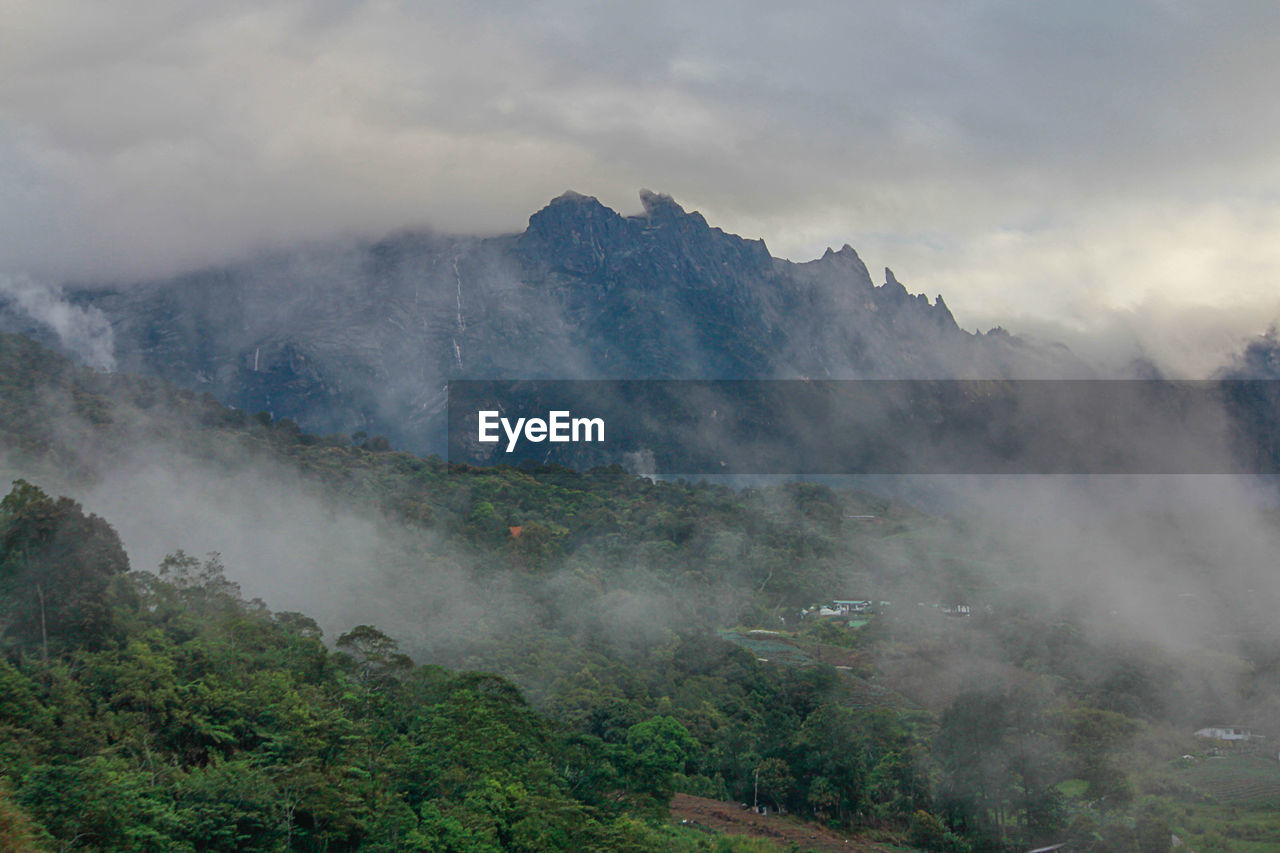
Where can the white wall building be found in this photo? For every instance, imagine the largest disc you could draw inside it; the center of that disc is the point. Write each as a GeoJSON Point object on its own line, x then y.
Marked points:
{"type": "Point", "coordinates": [1224, 733]}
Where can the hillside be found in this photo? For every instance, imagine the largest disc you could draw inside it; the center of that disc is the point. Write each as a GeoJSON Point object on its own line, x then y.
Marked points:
{"type": "Point", "coordinates": [602, 597]}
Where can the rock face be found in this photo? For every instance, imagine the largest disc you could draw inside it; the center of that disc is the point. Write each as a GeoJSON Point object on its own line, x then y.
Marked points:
{"type": "Point", "coordinates": [364, 336]}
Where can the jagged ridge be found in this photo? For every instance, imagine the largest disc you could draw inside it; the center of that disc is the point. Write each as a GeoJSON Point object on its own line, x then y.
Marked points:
{"type": "Point", "coordinates": [364, 337]}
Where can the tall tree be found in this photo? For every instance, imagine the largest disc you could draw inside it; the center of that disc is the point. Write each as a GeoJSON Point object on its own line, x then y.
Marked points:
{"type": "Point", "coordinates": [56, 568]}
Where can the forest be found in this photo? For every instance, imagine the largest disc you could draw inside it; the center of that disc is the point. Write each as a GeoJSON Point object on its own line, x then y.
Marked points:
{"type": "Point", "coordinates": [557, 653]}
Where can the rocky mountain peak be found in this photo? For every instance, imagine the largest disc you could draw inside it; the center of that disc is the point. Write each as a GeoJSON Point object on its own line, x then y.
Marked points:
{"type": "Point", "coordinates": [942, 312]}
{"type": "Point", "coordinates": [659, 204]}
{"type": "Point", "coordinates": [572, 231]}
{"type": "Point", "coordinates": [570, 208]}
{"type": "Point", "coordinates": [661, 210]}
{"type": "Point", "coordinates": [847, 262]}
{"type": "Point", "coordinates": [583, 292]}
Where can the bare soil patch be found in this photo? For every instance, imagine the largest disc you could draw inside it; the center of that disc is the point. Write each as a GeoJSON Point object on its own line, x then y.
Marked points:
{"type": "Point", "coordinates": [783, 830]}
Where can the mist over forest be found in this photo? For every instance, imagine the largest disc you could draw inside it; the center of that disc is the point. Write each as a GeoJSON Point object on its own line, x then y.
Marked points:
{"type": "Point", "coordinates": [935, 509]}
{"type": "Point", "coordinates": [1017, 661]}
{"type": "Point", "coordinates": [977, 556]}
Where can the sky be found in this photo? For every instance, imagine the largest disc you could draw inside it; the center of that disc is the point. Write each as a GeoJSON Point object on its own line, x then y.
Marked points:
{"type": "Point", "coordinates": [1103, 173]}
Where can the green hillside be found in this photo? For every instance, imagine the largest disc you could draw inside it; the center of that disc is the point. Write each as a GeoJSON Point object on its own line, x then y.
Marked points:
{"type": "Point", "coordinates": [156, 708]}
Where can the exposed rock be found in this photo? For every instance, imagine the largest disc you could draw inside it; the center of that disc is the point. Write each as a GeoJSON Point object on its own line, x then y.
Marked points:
{"type": "Point", "coordinates": [365, 336]}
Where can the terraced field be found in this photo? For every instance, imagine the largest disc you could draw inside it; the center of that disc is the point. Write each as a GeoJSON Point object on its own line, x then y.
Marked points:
{"type": "Point", "coordinates": [773, 648]}
{"type": "Point", "coordinates": [1246, 780]}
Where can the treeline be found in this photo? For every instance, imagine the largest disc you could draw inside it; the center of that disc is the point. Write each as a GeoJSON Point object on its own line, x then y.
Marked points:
{"type": "Point", "coordinates": [162, 712]}
{"type": "Point", "coordinates": [161, 687]}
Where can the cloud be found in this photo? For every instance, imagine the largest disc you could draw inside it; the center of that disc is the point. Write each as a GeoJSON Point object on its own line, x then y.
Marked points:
{"type": "Point", "coordinates": [1178, 283]}
{"type": "Point", "coordinates": [84, 331]}
{"type": "Point", "coordinates": [969, 146]}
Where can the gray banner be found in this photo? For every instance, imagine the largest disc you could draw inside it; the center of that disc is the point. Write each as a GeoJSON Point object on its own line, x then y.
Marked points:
{"type": "Point", "coordinates": [870, 427]}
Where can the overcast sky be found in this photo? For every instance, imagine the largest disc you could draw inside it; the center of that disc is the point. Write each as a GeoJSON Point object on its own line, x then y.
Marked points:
{"type": "Point", "coordinates": [1069, 167]}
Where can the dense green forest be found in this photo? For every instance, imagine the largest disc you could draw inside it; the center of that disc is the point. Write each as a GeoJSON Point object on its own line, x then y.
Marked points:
{"type": "Point", "coordinates": [602, 642]}
{"type": "Point", "coordinates": [164, 712]}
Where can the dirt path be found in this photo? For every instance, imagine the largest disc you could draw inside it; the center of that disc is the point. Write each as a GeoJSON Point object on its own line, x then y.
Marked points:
{"type": "Point", "coordinates": [784, 831]}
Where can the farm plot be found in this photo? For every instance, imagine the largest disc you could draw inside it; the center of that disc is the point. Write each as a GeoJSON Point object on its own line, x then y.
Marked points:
{"type": "Point", "coordinates": [773, 648]}
{"type": "Point", "coordinates": [1246, 780]}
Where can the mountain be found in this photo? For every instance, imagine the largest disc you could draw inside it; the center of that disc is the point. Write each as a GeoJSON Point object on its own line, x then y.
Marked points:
{"type": "Point", "coordinates": [364, 336]}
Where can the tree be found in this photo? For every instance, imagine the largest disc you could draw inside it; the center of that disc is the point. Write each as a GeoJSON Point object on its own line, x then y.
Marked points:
{"type": "Point", "coordinates": [1000, 767]}
{"type": "Point", "coordinates": [1092, 738]}
{"type": "Point", "coordinates": [775, 780]}
{"type": "Point", "coordinates": [929, 833]}
{"type": "Point", "coordinates": [658, 748]}
{"type": "Point", "coordinates": [18, 833]}
{"type": "Point", "coordinates": [374, 657]}
{"type": "Point", "coordinates": [56, 568]}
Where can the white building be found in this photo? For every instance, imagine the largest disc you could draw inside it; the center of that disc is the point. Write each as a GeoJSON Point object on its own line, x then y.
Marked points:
{"type": "Point", "coordinates": [845, 608]}
{"type": "Point", "coordinates": [1232, 733]}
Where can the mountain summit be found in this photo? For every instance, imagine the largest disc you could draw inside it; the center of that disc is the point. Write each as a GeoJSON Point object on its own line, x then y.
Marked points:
{"type": "Point", "coordinates": [364, 337]}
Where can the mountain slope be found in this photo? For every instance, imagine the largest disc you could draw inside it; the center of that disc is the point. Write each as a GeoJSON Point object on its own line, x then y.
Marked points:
{"type": "Point", "coordinates": [364, 336]}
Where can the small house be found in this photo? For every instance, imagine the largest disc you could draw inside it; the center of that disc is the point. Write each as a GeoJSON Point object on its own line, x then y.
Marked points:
{"type": "Point", "coordinates": [844, 608]}
{"type": "Point", "coordinates": [1228, 733]}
